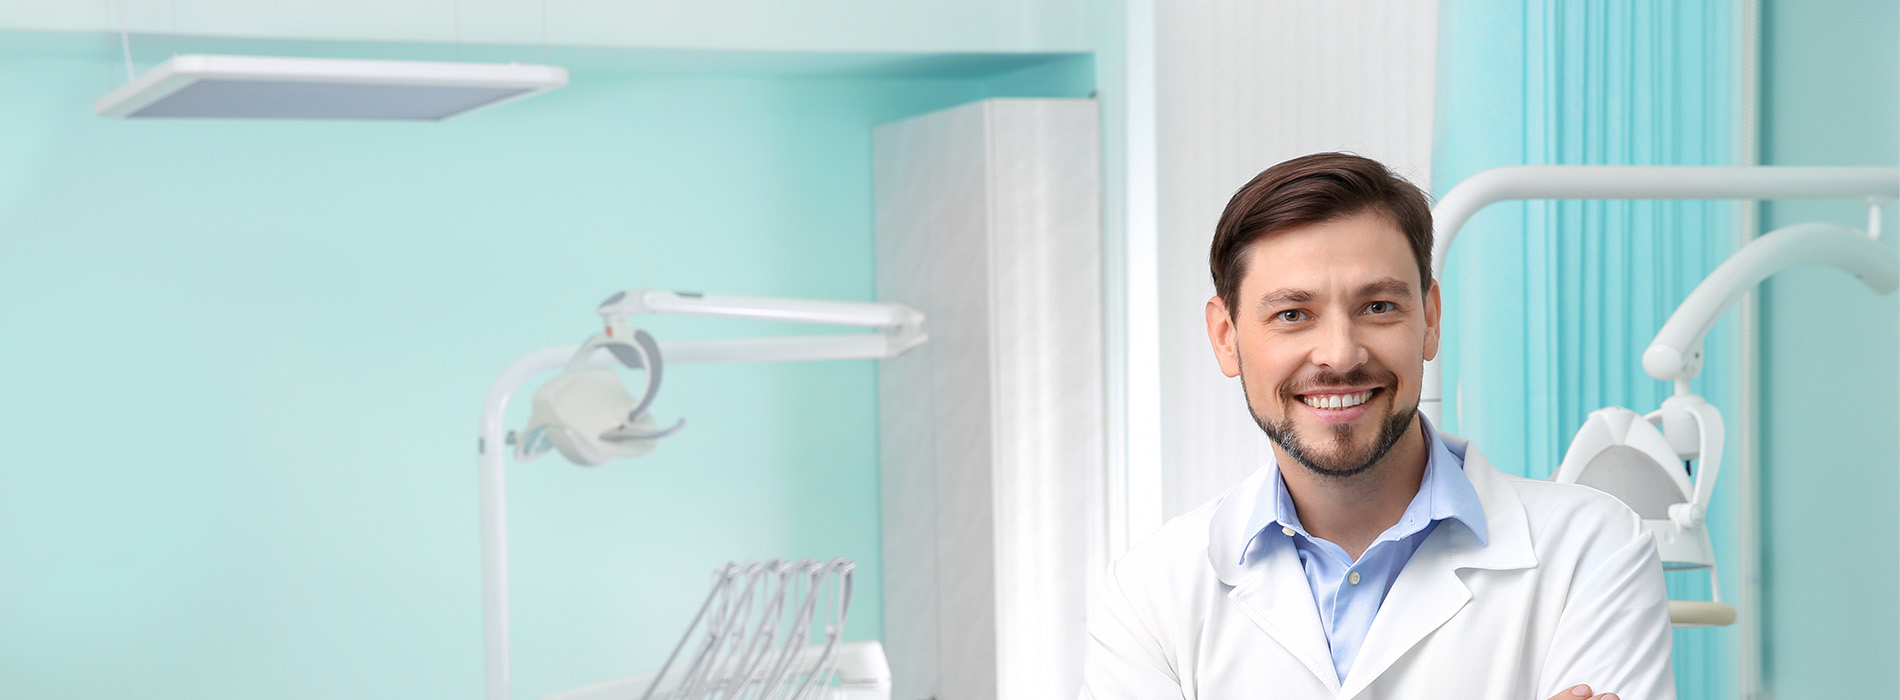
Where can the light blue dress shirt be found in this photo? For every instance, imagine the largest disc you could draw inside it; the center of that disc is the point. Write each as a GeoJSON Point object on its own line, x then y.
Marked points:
{"type": "Point", "coordinates": [1349, 593]}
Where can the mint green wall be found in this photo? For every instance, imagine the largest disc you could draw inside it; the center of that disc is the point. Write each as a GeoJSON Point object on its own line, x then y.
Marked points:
{"type": "Point", "coordinates": [242, 362]}
{"type": "Point", "coordinates": [1830, 87]}
{"type": "Point", "coordinates": [1550, 304]}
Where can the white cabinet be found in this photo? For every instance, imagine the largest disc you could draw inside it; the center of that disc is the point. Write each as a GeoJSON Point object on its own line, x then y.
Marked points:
{"type": "Point", "coordinates": [992, 434]}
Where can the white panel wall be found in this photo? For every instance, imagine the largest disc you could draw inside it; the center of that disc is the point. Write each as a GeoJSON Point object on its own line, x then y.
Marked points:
{"type": "Point", "coordinates": [991, 435]}
{"type": "Point", "coordinates": [1242, 85]}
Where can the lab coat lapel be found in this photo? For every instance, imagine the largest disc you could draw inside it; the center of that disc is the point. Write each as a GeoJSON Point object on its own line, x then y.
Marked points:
{"type": "Point", "coordinates": [1280, 601]}
{"type": "Point", "coordinates": [1271, 590]}
{"type": "Point", "coordinates": [1429, 590]}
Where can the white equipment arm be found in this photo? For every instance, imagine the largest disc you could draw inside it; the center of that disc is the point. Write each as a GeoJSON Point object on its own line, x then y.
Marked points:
{"type": "Point", "coordinates": [900, 327]}
{"type": "Point", "coordinates": [1648, 182]}
{"type": "Point", "coordinates": [837, 313]}
{"type": "Point", "coordinates": [1633, 182]}
{"type": "Point", "coordinates": [1676, 353]}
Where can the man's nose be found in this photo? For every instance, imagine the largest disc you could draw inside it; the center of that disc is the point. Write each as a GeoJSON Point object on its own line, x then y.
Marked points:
{"type": "Point", "coordinates": [1339, 347]}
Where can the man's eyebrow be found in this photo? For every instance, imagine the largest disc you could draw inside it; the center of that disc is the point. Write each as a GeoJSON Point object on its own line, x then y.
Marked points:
{"type": "Point", "coordinates": [1284, 297]}
{"type": "Point", "coordinates": [1388, 287]}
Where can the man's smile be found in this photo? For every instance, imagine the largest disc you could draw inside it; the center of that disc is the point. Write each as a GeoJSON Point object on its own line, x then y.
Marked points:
{"type": "Point", "coordinates": [1339, 405]}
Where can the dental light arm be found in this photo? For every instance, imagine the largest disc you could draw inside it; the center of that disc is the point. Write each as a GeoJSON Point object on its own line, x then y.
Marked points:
{"type": "Point", "coordinates": [1676, 353]}
{"type": "Point", "coordinates": [1648, 182]}
{"type": "Point", "coordinates": [1692, 426]}
{"type": "Point", "coordinates": [900, 327]}
{"type": "Point", "coordinates": [837, 313]}
{"type": "Point", "coordinates": [1631, 182]}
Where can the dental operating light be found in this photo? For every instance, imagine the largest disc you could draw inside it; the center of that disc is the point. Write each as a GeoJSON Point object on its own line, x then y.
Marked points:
{"type": "Point", "coordinates": [259, 87]}
{"type": "Point", "coordinates": [586, 414]}
{"type": "Point", "coordinates": [1643, 460]}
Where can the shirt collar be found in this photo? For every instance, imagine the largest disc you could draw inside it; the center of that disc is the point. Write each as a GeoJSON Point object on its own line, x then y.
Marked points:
{"type": "Point", "coordinates": [1445, 493]}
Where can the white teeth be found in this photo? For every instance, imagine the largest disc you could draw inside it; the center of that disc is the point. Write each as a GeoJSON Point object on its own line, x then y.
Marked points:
{"type": "Point", "coordinates": [1336, 402]}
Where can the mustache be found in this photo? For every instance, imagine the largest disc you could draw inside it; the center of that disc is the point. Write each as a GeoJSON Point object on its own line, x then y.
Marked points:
{"type": "Point", "coordinates": [1323, 379]}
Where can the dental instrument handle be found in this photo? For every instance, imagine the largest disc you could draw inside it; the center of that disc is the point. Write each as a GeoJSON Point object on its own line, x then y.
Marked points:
{"type": "Point", "coordinates": [718, 587]}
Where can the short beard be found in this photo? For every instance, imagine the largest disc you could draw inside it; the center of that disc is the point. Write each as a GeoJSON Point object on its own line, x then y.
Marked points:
{"type": "Point", "coordinates": [1282, 434]}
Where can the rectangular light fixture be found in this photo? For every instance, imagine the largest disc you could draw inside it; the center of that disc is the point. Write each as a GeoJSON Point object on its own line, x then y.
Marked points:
{"type": "Point", "coordinates": [257, 87]}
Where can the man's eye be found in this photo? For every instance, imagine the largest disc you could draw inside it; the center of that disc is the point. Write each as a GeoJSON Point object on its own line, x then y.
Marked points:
{"type": "Point", "coordinates": [1290, 316]}
{"type": "Point", "coordinates": [1381, 307]}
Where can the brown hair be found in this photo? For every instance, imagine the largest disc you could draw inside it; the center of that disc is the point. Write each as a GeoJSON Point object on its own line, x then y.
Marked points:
{"type": "Point", "coordinates": [1310, 190]}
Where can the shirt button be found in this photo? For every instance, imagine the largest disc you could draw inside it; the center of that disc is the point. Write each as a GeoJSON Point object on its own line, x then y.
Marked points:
{"type": "Point", "coordinates": [1287, 530]}
{"type": "Point", "coordinates": [1353, 578]}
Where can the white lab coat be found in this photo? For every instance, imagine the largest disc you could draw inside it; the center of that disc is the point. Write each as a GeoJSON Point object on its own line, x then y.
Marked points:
{"type": "Point", "coordinates": [1567, 590]}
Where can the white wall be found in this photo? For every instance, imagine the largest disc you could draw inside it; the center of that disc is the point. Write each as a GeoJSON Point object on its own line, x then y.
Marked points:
{"type": "Point", "coordinates": [1242, 85]}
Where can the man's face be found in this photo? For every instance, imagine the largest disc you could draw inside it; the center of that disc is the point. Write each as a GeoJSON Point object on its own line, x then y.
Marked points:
{"type": "Point", "coordinates": [1329, 339]}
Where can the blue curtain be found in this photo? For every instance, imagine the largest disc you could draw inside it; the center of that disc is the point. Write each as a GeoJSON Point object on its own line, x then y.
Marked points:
{"type": "Point", "coordinates": [1549, 304]}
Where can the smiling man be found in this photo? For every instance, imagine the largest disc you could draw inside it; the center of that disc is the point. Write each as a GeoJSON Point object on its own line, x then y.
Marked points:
{"type": "Point", "coordinates": [1374, 557]}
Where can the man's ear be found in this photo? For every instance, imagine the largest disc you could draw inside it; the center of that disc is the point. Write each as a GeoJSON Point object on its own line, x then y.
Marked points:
{"type": "Point", "coordinates": [1432, 311]}
{"type": "Point", "coordinates": [1221, 334]}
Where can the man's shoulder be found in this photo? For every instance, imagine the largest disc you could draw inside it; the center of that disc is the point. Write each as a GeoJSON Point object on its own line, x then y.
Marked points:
{"type": "Point", "coordinates": [1181, 540]}
{"type": "Point", "coordinates": [1166, 577]}
{"type": "Point", "coordinates": [1567, 501]}
{"type": "Point", "coordinates": [1180, 546]}
{"type": "Point", "coordinates": [1574, 516]}
{"type": "Point", "coordinates": [1551, 509]}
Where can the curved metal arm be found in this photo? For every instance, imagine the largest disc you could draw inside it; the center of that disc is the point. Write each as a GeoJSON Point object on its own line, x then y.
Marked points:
{"type": "Point", "coordinates": [1648, 182]}
{"type": "Point", "coordinates": [1632, 182]}
{"type": "Point", "coordinates": [1676, 353]}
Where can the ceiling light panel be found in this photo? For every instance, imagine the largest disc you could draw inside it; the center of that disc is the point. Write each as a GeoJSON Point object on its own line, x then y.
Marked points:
{"type": "Point", "coordinates": [253, 87]}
